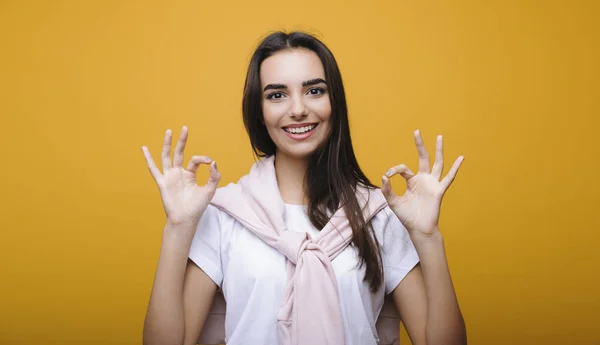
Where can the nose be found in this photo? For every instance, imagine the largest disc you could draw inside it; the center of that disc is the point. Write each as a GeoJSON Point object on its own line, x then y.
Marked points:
{"type": "Point", "coordinates": [298, 108]}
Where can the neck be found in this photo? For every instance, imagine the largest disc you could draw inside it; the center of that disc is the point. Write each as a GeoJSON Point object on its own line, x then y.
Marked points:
{"type": "Point", "coordinates": [290, 178]}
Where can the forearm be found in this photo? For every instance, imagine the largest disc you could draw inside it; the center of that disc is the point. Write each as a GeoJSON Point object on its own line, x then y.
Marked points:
{"type": "Point", "coordinates": [445, 324]}
{"type": "Point", "coordinates": [164, 322]}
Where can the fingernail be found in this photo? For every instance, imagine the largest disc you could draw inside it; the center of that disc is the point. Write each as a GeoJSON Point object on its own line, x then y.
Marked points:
{"type": "Point", "coordinates": [382, 180]}
{"type": "Point", "coordinates": [215, 165]}
{"type": "Point", "coordinates": [388, 173]}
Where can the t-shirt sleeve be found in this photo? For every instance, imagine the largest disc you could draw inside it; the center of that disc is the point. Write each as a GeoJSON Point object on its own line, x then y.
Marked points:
{"type": "Point", "coordinates": [398, 252]}
{"type": "Point", "coordinates": [206, 245]}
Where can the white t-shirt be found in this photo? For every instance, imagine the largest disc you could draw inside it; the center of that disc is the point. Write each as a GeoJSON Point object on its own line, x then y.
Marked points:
{"type": "Point", "coordinates": [252, 274]}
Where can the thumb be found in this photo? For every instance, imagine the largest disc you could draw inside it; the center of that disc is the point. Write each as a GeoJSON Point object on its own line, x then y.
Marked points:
{"type": "Point", "coordinates": [215, 176]}
{"type": "Point", "coordinates": [386, 189]}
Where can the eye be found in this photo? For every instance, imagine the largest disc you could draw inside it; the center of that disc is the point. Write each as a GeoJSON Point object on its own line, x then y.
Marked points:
{"type": "Point", "coordinates": [316, 91]}
{"type": "Point", "coordinates": [275, 95]}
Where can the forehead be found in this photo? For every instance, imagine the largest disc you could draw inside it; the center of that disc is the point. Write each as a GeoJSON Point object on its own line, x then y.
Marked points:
{"type": "Point", "coordinates": [291, 66]}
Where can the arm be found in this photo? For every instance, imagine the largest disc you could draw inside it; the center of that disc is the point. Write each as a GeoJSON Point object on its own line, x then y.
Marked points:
{"type": "Point", "coordinates": [198, 293]}
{"type": "Point", "coordinates": [177, 281]}
{"type": "Point", "coordinates": [426, 300]}
{"type": "Point", "coordinates": [426, 297]}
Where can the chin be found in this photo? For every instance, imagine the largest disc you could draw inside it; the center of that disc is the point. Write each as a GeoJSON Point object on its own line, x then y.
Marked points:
{"type": "Point", "coordinates": [299, 153]}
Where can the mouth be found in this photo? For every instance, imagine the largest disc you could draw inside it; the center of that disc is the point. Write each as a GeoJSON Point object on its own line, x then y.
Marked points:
{"type": "Point", "coordinates": [300, 130]}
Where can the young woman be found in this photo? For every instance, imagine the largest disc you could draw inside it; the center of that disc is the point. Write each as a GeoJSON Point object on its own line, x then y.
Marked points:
{"type": "Point", "coordinates": [304, 249]}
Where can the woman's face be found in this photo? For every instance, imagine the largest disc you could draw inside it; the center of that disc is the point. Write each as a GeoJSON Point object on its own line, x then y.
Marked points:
{"type": "Point", "coordinates": [295, 101]}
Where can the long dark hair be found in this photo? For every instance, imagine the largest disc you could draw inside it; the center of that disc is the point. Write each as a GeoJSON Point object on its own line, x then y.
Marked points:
{"type": "Point", "coordinates": [333, 173]}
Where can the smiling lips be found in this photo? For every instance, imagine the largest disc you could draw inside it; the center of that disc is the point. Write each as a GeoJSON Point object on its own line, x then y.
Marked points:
{"type": "Point", "coordinates": [300, 131]}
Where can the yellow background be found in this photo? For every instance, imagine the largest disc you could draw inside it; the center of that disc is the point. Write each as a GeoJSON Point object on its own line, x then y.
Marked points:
{"type": "Point", "coordinates": [512, 85]}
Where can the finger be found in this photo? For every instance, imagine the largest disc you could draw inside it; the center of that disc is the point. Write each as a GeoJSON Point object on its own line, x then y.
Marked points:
{"type": "Point", "coordinates": [423, 155]}
{"type": "Point", "coordinates": [151, 165]}
{"type": "Point", "coordinates": [438, 166]}
{"type": "Point", "coordinates": [447, 181]}
{"type": "Point", "coordinates": [195, 162]}
{"type": "Point", "coordinates": [215, 177]}
{"type": "Point", "coordinates": [180, 147]}
{"type": "Point", "coordinates": [166, 152]}
{"type": "Point", "coordinates": [401, 169]}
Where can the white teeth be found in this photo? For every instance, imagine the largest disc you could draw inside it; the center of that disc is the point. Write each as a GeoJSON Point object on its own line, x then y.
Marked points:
{"type": "Point", "coordinates": [300, 130]}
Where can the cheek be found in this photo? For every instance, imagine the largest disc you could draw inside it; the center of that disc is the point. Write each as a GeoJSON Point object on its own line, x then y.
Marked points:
{"type": "Point", "coordinates": [271, 114]}
{"type": "Point", "coordinates": [322, 109]}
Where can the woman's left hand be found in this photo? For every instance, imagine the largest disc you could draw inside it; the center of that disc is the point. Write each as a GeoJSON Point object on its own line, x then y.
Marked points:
{"type": "Point", "coordinates": [419, 208]}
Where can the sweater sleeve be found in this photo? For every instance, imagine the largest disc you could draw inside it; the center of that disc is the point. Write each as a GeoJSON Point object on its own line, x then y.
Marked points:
{"type": "Point", "coordinates": [205, 251]}
{"type": "Point", "coordinates": [398, 252]}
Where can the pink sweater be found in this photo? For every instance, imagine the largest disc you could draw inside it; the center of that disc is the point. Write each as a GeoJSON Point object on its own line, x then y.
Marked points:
{"type": "Point", "coordinates": [310, 312]}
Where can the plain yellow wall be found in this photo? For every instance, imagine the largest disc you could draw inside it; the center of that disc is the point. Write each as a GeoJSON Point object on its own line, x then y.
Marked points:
{"type": "Point", "coordinates": [512, 85]}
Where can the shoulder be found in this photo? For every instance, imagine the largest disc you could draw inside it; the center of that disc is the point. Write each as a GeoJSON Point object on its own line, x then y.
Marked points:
{"type": "Point", "coordinates": [230, 190]}
{"type": "Point", "coordinates": [388, 228]}
{"type": "Point", "coordinates": [215, 218]}
{"type": "Point", "coordinates": [369, 194]}
{"type": "Point", "coordinates": [385, 219]}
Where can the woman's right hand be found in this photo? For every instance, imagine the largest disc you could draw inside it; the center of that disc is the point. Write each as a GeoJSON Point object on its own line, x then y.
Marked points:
{"type": "Point", "coordinates": [183, 200]}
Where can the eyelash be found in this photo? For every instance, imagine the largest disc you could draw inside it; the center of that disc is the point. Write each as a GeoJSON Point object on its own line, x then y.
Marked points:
{"type": "Point", "coordinates": [272, 95]}
{"type": "Point", "coordinates": [320, 89]}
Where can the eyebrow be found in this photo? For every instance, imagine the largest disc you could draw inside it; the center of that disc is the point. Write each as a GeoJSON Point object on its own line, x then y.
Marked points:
{"type": "Point", "coordinates": [304, 84]}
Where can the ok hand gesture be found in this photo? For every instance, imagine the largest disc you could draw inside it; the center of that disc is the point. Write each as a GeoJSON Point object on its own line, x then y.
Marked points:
{"type": "Point", "coordinates": [183, 200]}
{"type": "Point", "coordinates": [419, 208]}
